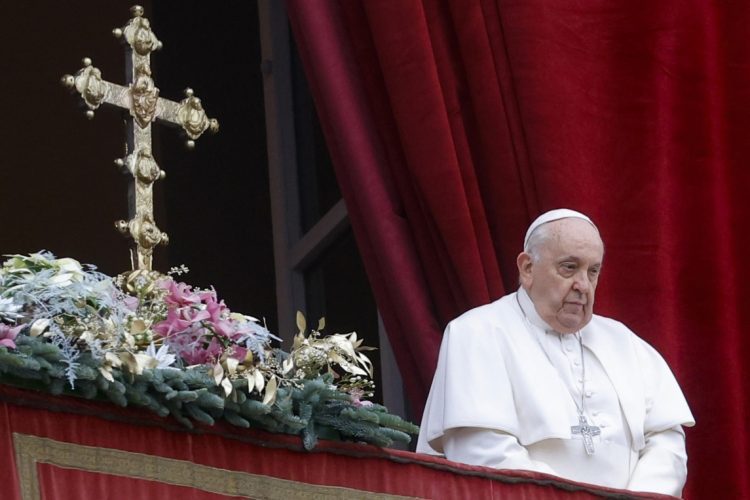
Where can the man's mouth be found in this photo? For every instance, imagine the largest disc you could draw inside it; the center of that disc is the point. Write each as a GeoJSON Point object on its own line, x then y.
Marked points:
{"type": "Point", "coordinates": [573, 307]}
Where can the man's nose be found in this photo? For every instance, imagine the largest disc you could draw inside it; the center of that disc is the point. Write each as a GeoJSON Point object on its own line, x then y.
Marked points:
{"type": "Point", "coordinates": [581, 283]}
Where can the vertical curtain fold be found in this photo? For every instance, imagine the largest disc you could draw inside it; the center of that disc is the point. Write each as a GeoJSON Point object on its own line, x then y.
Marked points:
{"type": "Point", "coordinates": [453, 123]}
{"type": "Point", "coordinates": [360, 165]}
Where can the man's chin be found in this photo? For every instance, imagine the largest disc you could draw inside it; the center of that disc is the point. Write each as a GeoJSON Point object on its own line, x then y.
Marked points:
{"type": "Point", "coordinates": [571, 325]}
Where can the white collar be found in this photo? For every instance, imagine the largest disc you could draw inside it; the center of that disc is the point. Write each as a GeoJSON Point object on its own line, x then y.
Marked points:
{"type": "Point", "coordinates": [529, 309]}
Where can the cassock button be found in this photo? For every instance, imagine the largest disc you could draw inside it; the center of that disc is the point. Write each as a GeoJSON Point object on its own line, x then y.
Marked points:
{"type": "Point", "coordinates": [577, 363]}
{"type": "Point", "coordinates": [589, 394]}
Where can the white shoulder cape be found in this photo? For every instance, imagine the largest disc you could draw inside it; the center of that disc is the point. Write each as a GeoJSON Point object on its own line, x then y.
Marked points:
{"type": "Point", "coordinates": [493, 374]}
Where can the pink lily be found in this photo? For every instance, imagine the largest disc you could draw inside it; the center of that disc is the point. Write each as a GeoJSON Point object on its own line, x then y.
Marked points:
{"type": "Point", "coordinates": [180, 294]}
{"type": "Point", "coordinates": [8, 335]}
{"type": "Point", "coordinates": [238, 353]}
{"type": "Point", "coordinates": [174, 324]}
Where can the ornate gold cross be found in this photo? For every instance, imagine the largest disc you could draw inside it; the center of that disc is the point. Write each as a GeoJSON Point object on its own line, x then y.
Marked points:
{"type": "Point", "coordinates": [141, 99]}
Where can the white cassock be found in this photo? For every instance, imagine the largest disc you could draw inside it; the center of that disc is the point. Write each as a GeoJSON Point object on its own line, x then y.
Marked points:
{"type": "Point", "coordinates": [507, 387]}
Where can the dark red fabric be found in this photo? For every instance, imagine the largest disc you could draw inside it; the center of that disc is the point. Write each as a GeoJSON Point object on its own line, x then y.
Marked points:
{"type": "Point", "coordinates": [453, 123]}
{"type": "Point", "coordinates": [358, 467]}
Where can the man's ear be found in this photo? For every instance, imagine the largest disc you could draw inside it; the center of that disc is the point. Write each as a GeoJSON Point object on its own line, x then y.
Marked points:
{"type": "Point", "coordinates": [525, 264]}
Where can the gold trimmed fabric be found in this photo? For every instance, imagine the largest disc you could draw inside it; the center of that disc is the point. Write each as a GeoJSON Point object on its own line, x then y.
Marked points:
{"type": "Point", "coordinates": [31, 450]}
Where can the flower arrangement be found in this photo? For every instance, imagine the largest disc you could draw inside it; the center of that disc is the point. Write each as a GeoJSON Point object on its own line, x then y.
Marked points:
{"type": "Point", "coordinates": [148, 340]}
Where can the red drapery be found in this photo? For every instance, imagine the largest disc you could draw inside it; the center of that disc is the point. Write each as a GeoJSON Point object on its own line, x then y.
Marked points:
{"type": "Point", "coordinates": [56, 448]}
{"type": "Point", "coordinates": [452, 123]}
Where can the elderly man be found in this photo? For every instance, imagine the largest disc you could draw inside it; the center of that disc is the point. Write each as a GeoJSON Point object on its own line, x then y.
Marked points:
{"type": "Point", "coordinates": [536, 381]}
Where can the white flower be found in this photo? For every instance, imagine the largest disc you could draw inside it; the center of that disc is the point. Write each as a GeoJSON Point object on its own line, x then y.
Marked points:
{"type": "Point", "coordinates": [68, 271]}
{"type": "Point", "coordinates": [162, 357]}
{"type": "Point", "coordinates": [9, 310]}
{"type": "Point", "coordinates": [68, 265]}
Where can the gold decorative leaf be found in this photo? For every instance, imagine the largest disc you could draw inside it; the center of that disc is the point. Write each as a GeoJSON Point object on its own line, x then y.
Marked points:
{"type": "Point", "coordinates": [138, 326]}
{"type": "Point", "coordinates": [321, 323]}
{"type": "Point", "coordinates": [250, 376]}
{"type": "Point", "coordinates": [342, 343]}
{"type": "Point", "coordinates": [232, 364]}
{"type": "Point", "coordinates": [112, 359]}
{"type": "Point", "coordinates": [271, 386]}
{"type": "Point", "coordinates": [130, 361]}
{"type": "Point", "coordinates": [299, 339]}
{"type": "Point", "coordinates": [336, 357]}
{"type": "Point", "coordinates": [365, 361]}
{"type": "Point", "coordinates": [217, 373]}
{"type": "Point", "coordinates": [345, 365]}
{"type": "Point", "coordinates": [287, 365]}
{"type": "Point", "coordinates": [106, 374]}
{"type": "Point", "coordinates": [226, 384]}
{"type": "Point", "coordinates": [145, 361]}
{"type": "Point", "coordinates": [301, 323]}
{"type": "Point", "coordinates": [38, 327]}
{"type": "Point", "coordinates": [259, 381]}
{"type": "Point", "coordinates": [129, 340]}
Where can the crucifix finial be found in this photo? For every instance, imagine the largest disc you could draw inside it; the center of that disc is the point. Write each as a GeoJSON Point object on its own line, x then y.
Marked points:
{"type": "Point", "coordinates": [141, 99]}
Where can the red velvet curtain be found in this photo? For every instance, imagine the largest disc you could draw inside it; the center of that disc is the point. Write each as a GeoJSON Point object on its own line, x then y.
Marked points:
{"type": "Point", "coordinates": [453, 123]}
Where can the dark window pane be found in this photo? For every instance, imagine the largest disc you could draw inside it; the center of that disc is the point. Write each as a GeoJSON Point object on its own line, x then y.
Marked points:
{"type": "Point", "coordinates": [318, 188]}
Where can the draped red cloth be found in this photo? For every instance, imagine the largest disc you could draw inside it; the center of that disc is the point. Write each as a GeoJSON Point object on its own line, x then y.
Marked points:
{"type": "Point", "coordinates": [453, 123]}
{"type": "Point", "coordinates": [58, 448]}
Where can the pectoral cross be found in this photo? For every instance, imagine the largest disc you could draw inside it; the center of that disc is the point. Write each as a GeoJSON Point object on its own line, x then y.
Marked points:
{"type": "Point", "coordinates": [587, 432]}
{"type": "Point", "coordinates": [141, 99]}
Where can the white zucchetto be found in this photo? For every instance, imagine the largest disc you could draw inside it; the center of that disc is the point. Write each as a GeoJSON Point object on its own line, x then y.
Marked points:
{"type": "Point", "coordinates": [553, 215]}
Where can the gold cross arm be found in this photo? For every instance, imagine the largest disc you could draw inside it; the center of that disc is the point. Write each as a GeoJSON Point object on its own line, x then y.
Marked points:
{"type": "Point", "coordinates": [141, 99]}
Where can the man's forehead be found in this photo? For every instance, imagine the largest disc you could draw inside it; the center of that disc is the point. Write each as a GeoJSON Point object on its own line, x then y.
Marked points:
{"type": "Point", "coordinates": [569, 234]}
{"type": "Point", "coordinates": [570, 225]}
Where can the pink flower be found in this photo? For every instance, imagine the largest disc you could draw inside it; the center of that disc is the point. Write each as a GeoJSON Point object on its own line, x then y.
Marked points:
{"type": "Point", "coordinates": [131, 303]}
{"type": "Point", "coordinates": [355, 395]}
{"type": "Point", "coordinates": [225, 328]}
{"type": "Point", "coordinates": [208, 296]}
{"type": "Point", "coordinates": [174, 324]}
{"type": "Point", "coordinates": [215, 308]}
{"type": "Point", "coordinates": [195, 315]}
{"type": "Point", "coordinates": [198, 325]}
{"type": "Point", "coordinates": [180, 294]}
{"type": "Point", "coordinates": [239, 353]}
{"type": "Point", "coordinates": [8, 335]}
{"type": "Point", "coordinates": [196, 353]}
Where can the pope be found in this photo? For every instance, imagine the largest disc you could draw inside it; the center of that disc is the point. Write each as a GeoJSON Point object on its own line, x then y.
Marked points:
{"type": "Point", "coordinates": [537, 381]}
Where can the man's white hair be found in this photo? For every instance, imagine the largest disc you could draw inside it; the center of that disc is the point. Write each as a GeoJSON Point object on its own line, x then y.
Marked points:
{"type": "Point", "coordinates": [536, 241]}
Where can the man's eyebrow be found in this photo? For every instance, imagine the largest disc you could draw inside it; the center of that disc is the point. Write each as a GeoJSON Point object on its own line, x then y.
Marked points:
{"type": "Point", "coordinates": [573, 258]}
